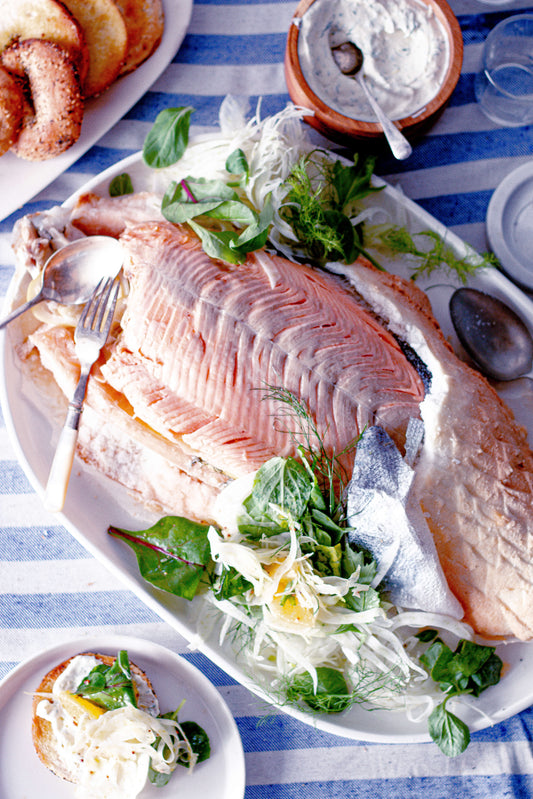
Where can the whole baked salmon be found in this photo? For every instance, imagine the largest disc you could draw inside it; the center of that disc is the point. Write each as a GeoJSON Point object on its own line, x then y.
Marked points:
{"type": "Point", "coordinates": [178, 406]}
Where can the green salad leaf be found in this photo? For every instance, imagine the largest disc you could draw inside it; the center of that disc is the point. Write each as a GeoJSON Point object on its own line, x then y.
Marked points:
{"type": "Point", "coordinates": [109, 686]}
{"type": "Point", "coordinates": [173, 554]}
{"type": "Point", "coordinates": [281, 492]}
{"type": "Point", "coordinates": [198, 740]}
{"type": "Point", "coordinates": [120, 185]}
{"type": "Point", "coordinates": [237, 164]}
{"type": "Point", "coordinates": [168, 138]}
{"type": "Point", "coordinates": [331, 695]}
{"type": "Point", "coordinates": [451, 735]}
{"type": "Point", "coordinates": [469, 669]}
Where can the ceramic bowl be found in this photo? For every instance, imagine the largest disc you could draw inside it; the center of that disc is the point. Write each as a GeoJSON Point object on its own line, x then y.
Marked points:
{"type": "Point", "coordinates": [344, 129]}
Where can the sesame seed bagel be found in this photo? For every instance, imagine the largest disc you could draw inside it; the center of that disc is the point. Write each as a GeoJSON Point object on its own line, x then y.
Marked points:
{"type": "Point", "coordinates": [44, 19]}
{"type": "Point", "coordinates": [53, 108]}
{"type": "Point", "coordinates": [105, 32]}
{"type": "Point", "coordinates": [43, 737]}
{"type": "Point", "coordinates": [11, 105]}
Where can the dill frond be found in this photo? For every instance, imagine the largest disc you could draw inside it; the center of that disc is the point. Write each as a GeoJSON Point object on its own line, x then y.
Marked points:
{"type": "Point", "coordinates": [432, 253]}
{"type": "Point", "coordinates": [331, 475]}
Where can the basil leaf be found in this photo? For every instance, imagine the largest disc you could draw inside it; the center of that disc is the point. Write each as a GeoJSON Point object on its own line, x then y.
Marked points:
{"type": "Point", "coordinates": [368, 599]}
{"type": "Point", "coordinates": [172, 555]}
{"type": "Point", "coordinates": [236, 212]}
{"type": "Point", "coordinates": [110, 687]}
{"type": "Point", "coordinates": [353, 182]}
{"type": "Point", "coordinates": [168, 138]}
{"type": "Point", "coordinates": [198, 739]}
{"type": "Point", "coordinates": [256, 234]}
{"type": "Point", "coordinates": [231, 583]}
{"type": "Point", "coordinates": [283, 483]}
{"type": "Point", "coordinates": [217, 243]}
{"type": "Point", "coordinates": [120, 185]}
{"type": "Point", "coordinates": [353, 560]}
{"type": "Point", "coordinates": [331, 696]}
{"type": "Point", "coordinates": [237, 164]}
{"type": "Point", "coordinates": [451, 735]}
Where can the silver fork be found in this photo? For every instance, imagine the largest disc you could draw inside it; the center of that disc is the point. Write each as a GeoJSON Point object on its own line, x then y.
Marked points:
{"type": "Point", "coordinates": [90, 336]}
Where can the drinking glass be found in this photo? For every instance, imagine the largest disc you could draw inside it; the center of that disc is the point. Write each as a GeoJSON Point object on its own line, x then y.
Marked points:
{"type": "Point", "coordinates": [504, 84]}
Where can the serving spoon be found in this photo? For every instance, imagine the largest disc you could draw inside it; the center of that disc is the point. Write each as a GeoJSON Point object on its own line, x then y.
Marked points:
{"type": "Point", "coordinates": [494, 336]}
{"type": "Point", "coordinates": [72, 273]}
{"type": "Point", "coordinates": [349, 59]}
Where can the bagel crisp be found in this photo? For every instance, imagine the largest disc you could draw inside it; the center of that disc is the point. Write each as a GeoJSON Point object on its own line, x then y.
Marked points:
{"type": "Point", "coordinates": [106, 35]}
{"type": "Point", "coordinates": [145, 23]}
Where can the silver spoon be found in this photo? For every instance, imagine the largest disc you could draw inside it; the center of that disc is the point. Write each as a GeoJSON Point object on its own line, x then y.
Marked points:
{"type": "Point", "coordinates": [71, 273]}
{"type": "Point", "coordinates": [349, 59]}
{"type": "Point", "coordinates": [494, 336]}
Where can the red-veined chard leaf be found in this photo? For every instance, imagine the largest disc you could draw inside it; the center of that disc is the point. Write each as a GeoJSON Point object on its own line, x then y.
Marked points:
{"type": "Point", "coordinates": [193, 197]}
{"type": "Point", "coordinates": [172, 555]}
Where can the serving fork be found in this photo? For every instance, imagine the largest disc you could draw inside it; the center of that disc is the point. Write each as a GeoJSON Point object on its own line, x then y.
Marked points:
{"type": "Point", "coordinates": [90, 336]}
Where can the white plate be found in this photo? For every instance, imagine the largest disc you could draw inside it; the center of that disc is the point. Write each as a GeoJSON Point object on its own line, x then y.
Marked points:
{"type": "Point", "coordinates": [22, 774]}
{"type": "Point", "coordinates": [510, 224]}
{"type": "Point", "coordinates": [26, 178]}
{"type": "Point", "coordinates": [93, 503]}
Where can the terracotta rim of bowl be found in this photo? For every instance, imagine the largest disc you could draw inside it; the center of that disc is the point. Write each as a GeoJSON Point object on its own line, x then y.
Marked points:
{"type": "Point", "coordinates": [327, 119]}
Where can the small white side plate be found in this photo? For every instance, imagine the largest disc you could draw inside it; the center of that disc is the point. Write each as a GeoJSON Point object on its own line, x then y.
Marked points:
{"type": "Point", "coordinates": [510, 225]}
{"type": "Point", "coordinates": [22, 775]}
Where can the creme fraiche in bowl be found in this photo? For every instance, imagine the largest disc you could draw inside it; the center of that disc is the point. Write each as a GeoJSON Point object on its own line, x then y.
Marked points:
{"type": "Point", "coordinates": [412, 52]}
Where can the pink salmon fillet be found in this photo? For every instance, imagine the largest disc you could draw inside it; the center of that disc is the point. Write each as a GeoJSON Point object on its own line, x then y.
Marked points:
{"type": "Point", "coordinates": [202, 340]}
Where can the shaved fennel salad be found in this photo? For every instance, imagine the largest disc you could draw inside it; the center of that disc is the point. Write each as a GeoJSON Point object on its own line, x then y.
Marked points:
{"type": "Point", "coordinates": [277, 572]}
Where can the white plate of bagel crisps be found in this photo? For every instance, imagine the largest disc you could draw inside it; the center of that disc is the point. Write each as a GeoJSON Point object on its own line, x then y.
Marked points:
{"type": "Point", "coordinates": [22, 774]}
{"type": "Point", "coordinates": [101, 111]}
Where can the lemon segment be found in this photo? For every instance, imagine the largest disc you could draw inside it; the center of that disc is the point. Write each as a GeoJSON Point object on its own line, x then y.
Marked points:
{"type": "Point", "coordinates": [76, 706]}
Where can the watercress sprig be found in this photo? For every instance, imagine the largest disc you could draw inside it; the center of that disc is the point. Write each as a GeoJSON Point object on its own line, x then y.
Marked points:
{"type": "Point", "coordinates": [109, 686]}
{"type": "Point", "coordinates": [470, 669]}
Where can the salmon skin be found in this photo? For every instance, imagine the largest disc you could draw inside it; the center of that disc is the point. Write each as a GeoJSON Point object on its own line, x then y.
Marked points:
{"type": "Point", "coordinates": [202, 340]}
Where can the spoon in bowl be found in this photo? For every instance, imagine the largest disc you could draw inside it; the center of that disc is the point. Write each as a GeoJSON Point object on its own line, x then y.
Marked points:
{"type": "Point", "coordinates": [494, 336]}
{"type": "Point", "coordinates": [349, 59]}
{"type": "Point", "coordinates": [72, 273]}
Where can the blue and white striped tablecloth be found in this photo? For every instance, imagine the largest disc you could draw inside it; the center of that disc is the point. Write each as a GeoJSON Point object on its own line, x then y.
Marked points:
{"type": "Point", "coordinates": [52, 591]}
